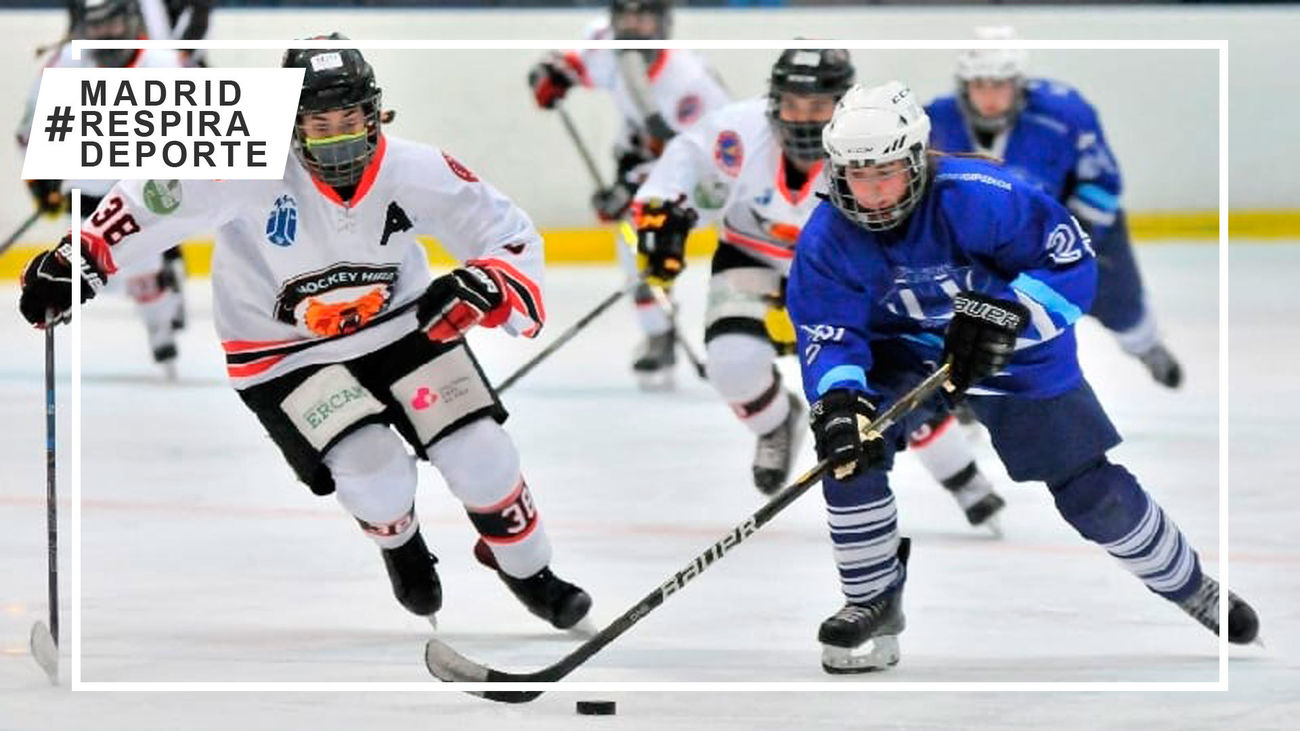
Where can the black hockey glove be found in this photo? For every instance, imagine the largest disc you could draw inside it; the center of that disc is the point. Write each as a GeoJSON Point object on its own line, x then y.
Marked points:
{"type": "Point", "coordinates": [455, 302]}
{"type": "Point", "coordinates": [662, 227]}
{"type": "Point", "coordinates": [612, 202]}
{"type": "Point", "coordinates": [48, 195]}
{"type": "Point", "coordinates": [981, 337]}
{"type": "Point", "coordinates": [550, 80]}
{"type": "Point", "coordinates": [47, 280]}
{"type": "Point", "coordinates": [838, 418]}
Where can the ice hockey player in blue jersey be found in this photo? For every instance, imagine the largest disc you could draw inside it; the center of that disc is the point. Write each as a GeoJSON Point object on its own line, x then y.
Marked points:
{"type": "Point", "coordinates": [917, 259]}
{"type": "Point", "coordinates": [1048, 134]}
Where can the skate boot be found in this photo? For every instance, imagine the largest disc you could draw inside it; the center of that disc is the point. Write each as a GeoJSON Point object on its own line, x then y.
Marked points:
{"type": "Point", "coordinates": [414, 578]}
{"type": "Point", "coordinates": [162, 343]}
{"type": "Point", "coordinates": [976, 498]}
{"type": "Point", "coordinates": [1162, 365]}
{"type": "Point", "coordinates": [1243, 623]}
{"type": "Point", "coordinates": [654, 361]}
{"type": "Point", "coordinates": [170, 279]}
{"type": "Point", "coordinates": [776, 450]}
{"type": "Point", "coordinates": [544, 594]}
{"type": "Point", "coordinates": [861, 638]}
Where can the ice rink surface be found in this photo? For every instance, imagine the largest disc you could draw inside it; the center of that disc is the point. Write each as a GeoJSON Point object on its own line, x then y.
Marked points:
{"type": "Point", "coordinates": [203, 560]}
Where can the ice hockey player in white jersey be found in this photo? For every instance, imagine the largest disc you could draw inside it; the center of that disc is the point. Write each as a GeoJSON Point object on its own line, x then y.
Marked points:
{"type": "Point", "coordinates": [658, 94]}
{"type": "Point", "coordinates": [153, 282]}
{"type": "Point", "coordinates": [179, 20]}
{"type": "Point", "coordinates": [338, 337]}
{"type": "Point", "coordinates": [755, 167]}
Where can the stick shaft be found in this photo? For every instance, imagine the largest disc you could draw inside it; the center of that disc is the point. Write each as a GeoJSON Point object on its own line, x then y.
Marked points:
{"type": "Point", "coordinates": [51, 494]}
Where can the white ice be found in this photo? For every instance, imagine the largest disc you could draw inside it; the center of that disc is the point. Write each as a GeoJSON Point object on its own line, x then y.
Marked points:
{"type": "Point", "coordinates": [203, 560]}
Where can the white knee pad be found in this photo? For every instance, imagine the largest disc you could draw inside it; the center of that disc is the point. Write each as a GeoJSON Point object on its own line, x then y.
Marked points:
{"type": "Point", "coordinates": [374, 479]}
{"type": "Point", "coordinates": [943, 449]}
{"type": "Point", "coordinates": [481, 467]}
{"type": "Point", "coordinates": [740, 368]}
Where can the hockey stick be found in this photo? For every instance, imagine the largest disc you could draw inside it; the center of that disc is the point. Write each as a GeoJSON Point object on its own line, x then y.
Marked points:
{"type": "Point", "coordinates": [447, 665]}
{"type": "Point", "coordinates": [563, 338]}
{"type": "Point", "coordinates": [666, 304]}
{"type": "Point", "coordinates": [582, 146]}
{"type": "Point", "coordinates": [22, 229]}
{"type": "Point", "coordinates": [44, 641]}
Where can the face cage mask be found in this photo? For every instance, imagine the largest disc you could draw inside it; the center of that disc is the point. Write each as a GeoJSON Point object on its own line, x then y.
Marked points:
{"type": "Point", "coordinates": [116, 58]}
{"type": "Point", "coordinates": [990, 125]}
{"type": "Point", "coordinates": [800, 141]}
{"type": "Point", "coordinates": [878, 219]}
{"type": "Point", "coordinates": [116, 28]}
{"type": "Point", "coordinates": [662, 27]}
{"type": "Point", "coordinates": [340, 160]}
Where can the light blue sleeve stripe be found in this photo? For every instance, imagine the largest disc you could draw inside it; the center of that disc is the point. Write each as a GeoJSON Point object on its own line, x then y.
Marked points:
{"type": "Point", "coordinates": [839, 374]}
{"type": "Point", "coordinates": [1041, 292]}
{"type": "Point", "coordinates": [1098, 197]}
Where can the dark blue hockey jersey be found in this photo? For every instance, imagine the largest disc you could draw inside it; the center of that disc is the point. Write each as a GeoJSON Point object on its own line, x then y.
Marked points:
{"type": "Point", "coordinates": [1056, 144]}
{"type": "Point", "coordinates": [978, 227]}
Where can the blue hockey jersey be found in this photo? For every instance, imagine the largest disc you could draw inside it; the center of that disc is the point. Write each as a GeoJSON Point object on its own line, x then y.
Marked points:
{"type": "Point", "coordinates": [1056, 144]}
{"type": "Point", "coordinates": [977, 228]}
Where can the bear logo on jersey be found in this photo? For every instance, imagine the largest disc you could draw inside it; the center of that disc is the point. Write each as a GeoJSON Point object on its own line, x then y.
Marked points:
{"type": "Point", "coordinates": [729, 152]}
{"type": "Point", "coordinates": [337, 300]}
{"type": "Point", "coordinates": [282, 223]}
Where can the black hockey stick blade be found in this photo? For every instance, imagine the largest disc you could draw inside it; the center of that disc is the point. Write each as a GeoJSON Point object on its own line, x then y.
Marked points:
{"type": "Point", "coordinates": [45, 651]}
{"type": "Point", "coordinates": [448, 665]}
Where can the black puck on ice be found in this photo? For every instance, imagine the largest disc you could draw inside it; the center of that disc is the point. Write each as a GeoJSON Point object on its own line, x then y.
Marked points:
{"type": "Point", "coordinates": [596, 708]}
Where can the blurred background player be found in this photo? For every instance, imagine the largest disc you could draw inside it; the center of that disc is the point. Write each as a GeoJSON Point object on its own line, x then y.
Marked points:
{"type": "Point", "coordinates": [179, 20]}
{"type": "Point", "coordinates": [658, 94]}
{"type": "Point", "coordinates": [1048, 134]}
{"type": "Point", "coordinates": [756, 165]}
{"type": "Point", "coordinates": [920, 259]}
{"type": "Point", "coordinates": [339, 338]}
{"type": "Point", "coordinates": [153, 282]}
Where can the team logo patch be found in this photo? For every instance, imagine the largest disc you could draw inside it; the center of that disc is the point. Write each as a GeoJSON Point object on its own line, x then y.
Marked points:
{"type": "Point", "coordinates": [729, 152]}
{"type": "Point", "coordinates": [162, 196]}
{"type": "Point", "coordinates": [461, 171]}
{"type": "Point", "coordinates": [688, 109]}
{"type": "Point", "coordinates": [337, 300]}
{"type": "Point", "coordinates": [282, 223]}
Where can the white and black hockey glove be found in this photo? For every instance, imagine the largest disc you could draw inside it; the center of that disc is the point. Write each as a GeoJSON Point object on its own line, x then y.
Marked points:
{"type": "Point", "coordinates": [981, 337]}
{"type": "Point", "coordinates": [464, 298]}
{"type": "Point", "coordinates": [838, 418]}
{"type": "Point", "coordinates": [47, 280]}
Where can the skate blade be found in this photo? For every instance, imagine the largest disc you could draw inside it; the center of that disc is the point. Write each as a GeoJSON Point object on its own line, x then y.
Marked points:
{"type": "Point", "coordinates": [433, 621]}
{"type": "Point", "coordinates": [170, 374]}
{"type": "Point", "coordinates": [994, 525]}
{"type": "Point", "coordinates": [44, 651]}
{"type": "Point", "coordinates": [585, 629]}
{"type": "Point", "coordinates": [656, 381]}
{"type": "Point", "coordinates": [877, 653]}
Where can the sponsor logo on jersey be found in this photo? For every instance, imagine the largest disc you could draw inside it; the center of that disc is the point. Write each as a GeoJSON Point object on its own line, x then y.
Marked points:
{"type": "Point", "coordinates": [282, 222]}
{"type": "Point", "coordinates": [729, 152]}
{"type": "Point", "coordinates": [162, 196]}
{"type": "Point", "coordinates": [461, 171]}
{"type": "Point", "coordinates": [688, 109]}
{"type": "Point", "coordinates": [423, 399]}
{"type": "Point", "coordinates": [764, 198]}
{"type": "Point", "coordinates": [338, 300]}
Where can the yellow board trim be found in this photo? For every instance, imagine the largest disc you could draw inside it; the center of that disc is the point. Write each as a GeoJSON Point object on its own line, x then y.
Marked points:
{"type": "Point", "coordinates": [596, 245]}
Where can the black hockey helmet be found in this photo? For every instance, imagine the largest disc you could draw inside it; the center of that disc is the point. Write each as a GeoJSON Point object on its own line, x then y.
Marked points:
{"type": "Point", "coordinates": [335, 80]}
{"type": "Point", "coordinates": [826, 72]}
{"type": "Point", "coordinates": [107, 20]}
{"type": "Point", "coordinates": [662, 10]}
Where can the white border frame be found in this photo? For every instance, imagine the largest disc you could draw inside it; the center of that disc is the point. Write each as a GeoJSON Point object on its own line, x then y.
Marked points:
{"type": "Point", "coordinates": [77, 684]}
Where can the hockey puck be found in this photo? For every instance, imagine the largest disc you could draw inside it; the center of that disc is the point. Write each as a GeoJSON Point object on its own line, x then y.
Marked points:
{"type": "Point", "coordinates": [596, 708]}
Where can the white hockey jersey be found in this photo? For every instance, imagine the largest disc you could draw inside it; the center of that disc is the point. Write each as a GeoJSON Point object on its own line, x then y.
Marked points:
{"type": "Point", "coordinates": [682, 86]}
{"type": "Point", "coordinates": [729, 167]}
{"type": "Point", "coordinates": [301, 278]}
{"type": "Point", "coordinates": [154, 58]}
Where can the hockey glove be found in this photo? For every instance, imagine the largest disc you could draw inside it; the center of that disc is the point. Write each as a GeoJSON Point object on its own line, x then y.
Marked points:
{"type": "Point", "coordinates": [838, 418]}
{"type": "Point", "coordinates": [47, 280]}
{"type": "Point", "coordinates": [457, 301]}
{"type": "Point", "coordinates": [981, 337]}
{"type": "Point", "coordinates": [662, 227]}
{"type": "Point", "coordinates": [48, 195]}
{"type": "Point", "coordinates": [550, 80]}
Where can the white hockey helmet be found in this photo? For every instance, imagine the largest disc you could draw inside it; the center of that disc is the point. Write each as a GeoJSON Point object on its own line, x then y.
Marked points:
{"type": "Point", "coordinates": [993, 64]}
{"type": "Point", "coordinates": [875, 126]}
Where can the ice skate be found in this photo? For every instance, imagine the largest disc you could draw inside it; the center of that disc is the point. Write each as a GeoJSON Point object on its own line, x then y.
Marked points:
{"type": "Point", "coordinates": [861, 638]}
{"type": "Point", "coordinates": [1162, 365]}
{"type": "Point", "coordinates": [654, 362]}
{"type": "Point", "coordinates": [776, 450]}
{"type": "Point", "coordinates": [976, 498]}
{"type": "Point", "coordinates": [546, 595]}
{"type": "Point", "coordinates": [1203, 606]}
{"type": "Point", "coordinates": [414, 578]}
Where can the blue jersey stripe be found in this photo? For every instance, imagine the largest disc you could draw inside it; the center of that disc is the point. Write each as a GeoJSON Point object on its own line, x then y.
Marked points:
{"type": "Point", "coordinates": [1048, 297]}
{"type": "Point", "coordinates": [1098, 197]}
{"type": "Point", "coordinates": [841, 374]}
